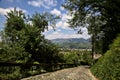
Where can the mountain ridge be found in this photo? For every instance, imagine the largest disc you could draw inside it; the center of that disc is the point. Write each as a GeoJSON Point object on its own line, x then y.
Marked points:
{"type": "Point", "coordinates": [72, 43]}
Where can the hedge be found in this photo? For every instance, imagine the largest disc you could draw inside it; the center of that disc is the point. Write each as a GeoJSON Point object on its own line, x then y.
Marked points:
{"type": "Point", "coordinates": [108, 66]}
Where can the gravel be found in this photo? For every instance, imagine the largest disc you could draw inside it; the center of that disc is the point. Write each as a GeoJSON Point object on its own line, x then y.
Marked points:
{"type": "Point", "coordinates": [76, 73]}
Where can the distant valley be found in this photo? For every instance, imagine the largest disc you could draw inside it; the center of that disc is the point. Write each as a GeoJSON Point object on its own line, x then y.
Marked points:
{"type": "Point", "coordinates": [73, 43]}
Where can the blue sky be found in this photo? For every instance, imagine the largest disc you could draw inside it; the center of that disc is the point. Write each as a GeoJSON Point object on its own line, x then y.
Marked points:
{"type": "Point", "coordinates": [52, 6]}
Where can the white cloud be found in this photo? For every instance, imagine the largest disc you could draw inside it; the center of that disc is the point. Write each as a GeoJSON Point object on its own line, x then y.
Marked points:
{"type": "Point", "coordinates": [50, 28]}
{"type": "Point", "coordinates": [55, 35]}
{"type": "Point", "coordinates": [59, 30]}
{"type": "Point", "coordinates": [84, 30]}
{"type": "Point", "coordinates": [30, 22]}
{"type": "Point", "coordinates": [66, 16]}
{"type": "Point", "coordinates": [63, 25]}
{"type": "Point", "coordinates": [4, 11]}
{"type": "Point", "coordinates": [62, 8]}
{"type": "Point", "coordinates": [55, 12]}
{"type": "Point", "coordinates": [63, 22]}
{"type": "Point", "coordinates": [43, 3]}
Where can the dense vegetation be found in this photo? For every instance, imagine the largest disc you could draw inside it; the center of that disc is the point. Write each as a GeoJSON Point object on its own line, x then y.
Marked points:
{"type": "Point", "coordinates": [73, 43]}
{"type": "Point", "coordinates": [102, 19]}
{"type": "Point", "coordinates": [78, 57]}
{"type": "Point", "coordinates": [23, 42]}
{"type": "Point", "coordinates": [108, 66]}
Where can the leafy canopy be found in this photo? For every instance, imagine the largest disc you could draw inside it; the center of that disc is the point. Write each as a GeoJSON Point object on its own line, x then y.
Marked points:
{"type": "Point", "coordinates": [101, 17]}
{"type": "Point", "coordinates": [23, 38]}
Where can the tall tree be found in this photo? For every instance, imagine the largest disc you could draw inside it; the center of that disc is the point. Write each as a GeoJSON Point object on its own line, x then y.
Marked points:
{"type": "Point", "coordinates": [102, 17]}
{"type": "Point", "coordinates": [15, 23]}
{"type": "Point", "coordinates": [12, 50]}
{"type": "Point", "coordinates": [36, 44]}
{"type": "Point", "coordinates": [26, 41]}
{"type": "Point", "coordinates": [23, 41]}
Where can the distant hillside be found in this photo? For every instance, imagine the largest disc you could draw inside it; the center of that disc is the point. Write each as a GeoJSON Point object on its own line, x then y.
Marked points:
{"type": "Point", "coordinates": [73, 43]}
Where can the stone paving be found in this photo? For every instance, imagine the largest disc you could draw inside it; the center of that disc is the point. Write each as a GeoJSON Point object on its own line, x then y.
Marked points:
{"type": "Point", "coordinates": [76, 73]}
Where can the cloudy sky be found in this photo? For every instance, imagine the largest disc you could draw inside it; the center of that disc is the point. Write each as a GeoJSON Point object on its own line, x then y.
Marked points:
{"type": "Point", "coordinates": [52, 6]}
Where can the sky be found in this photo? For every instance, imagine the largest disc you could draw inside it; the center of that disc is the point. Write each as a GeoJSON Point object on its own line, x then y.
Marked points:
{"type": "Point", "coordinates": [54, 7]}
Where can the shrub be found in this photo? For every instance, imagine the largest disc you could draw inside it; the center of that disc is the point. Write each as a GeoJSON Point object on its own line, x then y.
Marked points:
{"type": "Point", "coordinates": [78, 57]}
{"type": "Point", "coordinates": [108, 66]}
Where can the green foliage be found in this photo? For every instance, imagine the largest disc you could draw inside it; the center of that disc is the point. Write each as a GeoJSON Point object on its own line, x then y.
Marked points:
{"type": "Point", "coordinates": [10, 73]}
{"type": "Point", "coordinates": [14, 24]}
{"type": "Point", "coordinates": [108, 66]}
{"type": "Point", "coordinates": [103, 17]}
{"type": "Point", "coordinates": [24, 43]}
{"type": "Point", "coordinates": [82, 57]}
{"type": "Point", "coordinates": [11, 53]}
{"type": "Point", "coordinates": [73, 45]}
{"type": "Point", "coordinates": [70, 57]}
{"type": "Point", "coordinates": [86, 57]}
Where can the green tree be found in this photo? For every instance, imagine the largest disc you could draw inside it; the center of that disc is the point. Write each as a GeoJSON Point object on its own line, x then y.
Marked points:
{"type": "Point", "coordinates": [25, 43]}
{"type": "Point", "coordinates": [108, 66]}
{"type": "Point", "coordinates": [36, 44]}
{"type": "Point", "coordinates": [14, 24]}
{"type": "Point", "coordinates": [101, 16]}
{"type": "Point", "coordinates": [11, 37]}
{"type": "Point", "coordinates": [24, 39]}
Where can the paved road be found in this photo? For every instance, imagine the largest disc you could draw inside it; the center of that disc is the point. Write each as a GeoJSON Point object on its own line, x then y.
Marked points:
{"type": "Point", "coordinates": [76, 73]}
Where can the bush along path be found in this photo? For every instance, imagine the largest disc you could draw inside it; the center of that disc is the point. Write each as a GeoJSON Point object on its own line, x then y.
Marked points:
{"type": "Point", "coordinates": [76, 73]}
{"type": "Point", "coordinates": [108, 66]}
